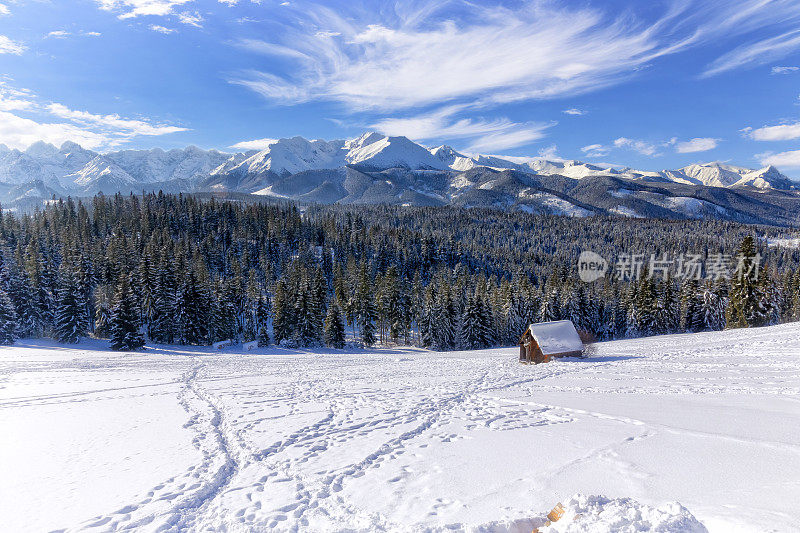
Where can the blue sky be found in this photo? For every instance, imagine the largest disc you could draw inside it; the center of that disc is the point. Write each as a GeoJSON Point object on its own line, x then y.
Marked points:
{"type": "Point", "coordinates": [647, 84]}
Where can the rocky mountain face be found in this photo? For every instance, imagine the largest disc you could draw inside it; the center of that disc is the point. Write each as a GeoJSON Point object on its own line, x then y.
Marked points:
{"type": "Point", "coordinates": [374, 168]}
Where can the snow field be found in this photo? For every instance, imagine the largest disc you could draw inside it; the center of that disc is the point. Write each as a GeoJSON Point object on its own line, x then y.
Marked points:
{"type": "Point", "coordinates": [175, 439]}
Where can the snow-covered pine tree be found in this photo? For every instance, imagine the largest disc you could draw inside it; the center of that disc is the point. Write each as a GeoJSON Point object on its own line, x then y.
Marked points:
{"type": "Point", "coordinates": [162, 325]}
{"type": "Point", "coordinates": [8, 320]}
{"type": "Point", "coordinates": [223, 313]}
{"type": "Point", "coordinates": [125, 319]}
{"type": "Point", "coordinates": [334, 327]}
{"type": "Point", "coordinates": [69, 310]}
{"type": "Point", "coordinates": [444, 321]}
{"type": "Point", "coordinates": [192, 310]}
{"type": "Point", "coordinates": [668, 312]}
{"type": "Point", "coordinates": [282, 323]}
{"type": "Point", "coordinates": [262, 320]}
{"type": "Point", "coordinates": [645, 305]}
{"type": "Point", "coordinates": [23, 297]}
{"type": "Point", "coordinates": [104, 300]}
{"type": "Point", "coordinates": [712, 308]}
{"type": "Point", "coordinates": [691, 318]}
{"type": "Point", "coordinates": [550, 309]}
{"type": "Point", "coordinates": [365, 305]}
{"type": "Point", "coordinates": [747, 305]}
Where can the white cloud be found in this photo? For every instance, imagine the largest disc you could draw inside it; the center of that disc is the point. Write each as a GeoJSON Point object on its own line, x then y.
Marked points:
{"type": "Point", "coordinates": [4, 10]}
{"type": "Point", "coordinates": [14, 104]}
{"type": "Point", "coordinates": [18, 132]}
{"type": "Point", "coordinates": [784, 70]}
{"type": "Point", "coordinates": [595, 150]}
{"type": "Point", "coordinates": [486, 55]}
{"type": "Point", "coordinates": [91, 34]}
{"type": "Point", "coordinates": [255, 144]}
{"type": "Point", "coordinates": [161, 29]}
{"type": "Point", "coordinates": [494, 134]}
{"type": "Point", "coordinates": [550, 153]}
{"type": "Point", "coordinates": [229, 3]}
{"type": "Point", "coordinates": [534, 51]}
{"type": "Point", "coordinates": [790, 159]}
{"type": "Point", "coordinates": [782, 132]}
{"type": "Point", "coordinates": [757, 53]}
{"type": "Point", "coordinates": [9, 46]}
{"type": "Point", "coordinates": [574, 111]}
{"type": "Point", "coordinates": [698, 144]}
{"type": "Point", "coordinates": [58, 34]}
{"type": "Point", "coordinates": [192, 19]}
{"type": "Point", "coordinates": [642, 147]}
{"type": "Point", "coordinates": [136, 8]}
{"type": "Point", "coordinates": [24, 120]}
{"type": "Point", "coordinates": [129, 127]}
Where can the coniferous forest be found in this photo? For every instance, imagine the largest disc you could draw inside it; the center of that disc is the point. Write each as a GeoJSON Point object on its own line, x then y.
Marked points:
{"type": "Point", "coordinates": [188, 270]}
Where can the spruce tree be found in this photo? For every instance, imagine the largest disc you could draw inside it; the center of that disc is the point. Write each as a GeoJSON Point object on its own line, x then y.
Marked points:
{"type": "Point", "coordinates": [262, 321]}
{"type": "Point", "coordinates": [125, 320]}
{"type": "Point", "coordinates": [334, 327]}
{"type": "Point", "coordinates": [8, 320]}
{"type": "Point", "coordinates": [747, 303]}
{"type": "Point", "coordinates": [68, 316]}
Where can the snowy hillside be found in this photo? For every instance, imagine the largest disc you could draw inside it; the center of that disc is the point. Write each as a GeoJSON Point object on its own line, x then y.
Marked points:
{"type": "Point", "coordinates": [401, 439]}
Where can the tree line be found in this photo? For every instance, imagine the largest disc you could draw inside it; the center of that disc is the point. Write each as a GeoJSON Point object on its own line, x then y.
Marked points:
{"type": "Point", "coordinates": [177, 269]}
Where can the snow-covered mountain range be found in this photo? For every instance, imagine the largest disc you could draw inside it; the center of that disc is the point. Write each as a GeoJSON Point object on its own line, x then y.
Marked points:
{"type": "Point", "coordinates": [372, 168]}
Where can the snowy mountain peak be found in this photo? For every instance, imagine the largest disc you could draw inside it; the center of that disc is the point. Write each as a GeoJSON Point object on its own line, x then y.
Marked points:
{"type": "Point", "coordinates": [41, 149]}
{"type": "Point", "coordinates": [69, 146]}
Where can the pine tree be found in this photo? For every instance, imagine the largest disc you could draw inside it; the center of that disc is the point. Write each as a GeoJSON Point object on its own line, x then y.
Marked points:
{"type": "Point", "coordinates": [668, 311]}
{"type": "Point", "coordinates": [747, 301]}
{"type": "Point", "coordinates": [8, 320]}
{"type": "Point", "coordinates": [68, 308]}
{"type": "Point", "coordinates": [334, 327]}
{"type": "Point", "coordinates": [125, 320]}
{"type": "Point", "coordinates": [691, 316]}
{"type": "Point", "coordinates": [192, 311]}
{"type": "Point", "coordinates": [282, 322]}
{"type": "Point", "coordinates": [262, 320]}
{"type": "Point", "coordinates": [645, 305]}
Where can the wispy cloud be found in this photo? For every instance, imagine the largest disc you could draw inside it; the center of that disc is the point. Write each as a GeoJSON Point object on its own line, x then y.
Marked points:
{"type": "Point", "coordinates": [482, 134]}
{"type": "Point", "coordinates": [781, 132]}
{"type": "Point", "coordinates": [375, 62]}
{"type": "Point", "coordinates": [127, 127]}
{"type": "Point", "coordinates": [24, 119]}
{"type": "Point", "coordinates": [4, 10]}
{"type": "Point", "coordinates": [255, 144]}
{"type": "Point", "coordinates": [784, 70]}
{"type": "Point", "coordinates": [191, 19]}
{"type": "Point", "coordinates": [374, 59]}
{"type": "Point", "coordinates": [161, 29]}
{"type": "Point", "coordinates": [790, 159]}
{"type": "Point", "coordinates": [58, 34]}
{"type": "Point", "coordinates": [757, 53]}
{"type": "Point", "coordinates": [9, 46]}
{"type": "Point", "coordinates": [651, 148]}
{"type": "Point", "coordinates": [136, 8]}
{"type": "Point", "coordinates": [642, 147]}
{"type": "Point", "coordinates": [595, 150]}
{"type": "Point", "coordinates": [574, 111]}
{"type": "Point", "coordinates": [698, 144]}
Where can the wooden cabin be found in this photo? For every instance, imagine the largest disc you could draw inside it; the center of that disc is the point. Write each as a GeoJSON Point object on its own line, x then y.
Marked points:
{"type": "Point", "coordinates": [546, 340]}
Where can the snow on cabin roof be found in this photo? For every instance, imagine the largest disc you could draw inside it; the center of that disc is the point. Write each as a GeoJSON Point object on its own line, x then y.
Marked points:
{"type": "Point", "coordinates": [556, 337]}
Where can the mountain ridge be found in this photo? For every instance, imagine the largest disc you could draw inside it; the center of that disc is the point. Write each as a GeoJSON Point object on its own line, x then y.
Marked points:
{"type": "Point", "coordinates": [375, 168]}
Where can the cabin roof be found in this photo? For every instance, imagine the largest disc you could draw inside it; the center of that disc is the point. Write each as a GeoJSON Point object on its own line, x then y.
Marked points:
{"type": "Point", "coordinates": [556, 337]}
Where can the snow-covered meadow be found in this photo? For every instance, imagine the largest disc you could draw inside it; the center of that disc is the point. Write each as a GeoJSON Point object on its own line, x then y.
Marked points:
{"type": "Point", "coordinates": [403, 439]}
